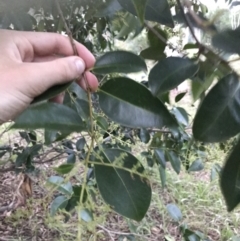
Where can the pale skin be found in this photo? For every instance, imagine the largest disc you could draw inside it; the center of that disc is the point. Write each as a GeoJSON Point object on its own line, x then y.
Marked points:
{"type": "Point", "coordinates": [31, 63]}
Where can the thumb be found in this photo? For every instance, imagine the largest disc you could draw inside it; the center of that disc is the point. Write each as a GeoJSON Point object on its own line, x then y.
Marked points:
{"type": "Point", "coordinates": [42, 76]}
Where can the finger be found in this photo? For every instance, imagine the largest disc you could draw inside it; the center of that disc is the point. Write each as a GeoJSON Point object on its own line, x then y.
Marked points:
{"type": "Point", "coordinates": [53, 43]}
{"type": "Point", "coordinates": [91, 79]}
{"type": "Point", "coordinates": [39, 77]}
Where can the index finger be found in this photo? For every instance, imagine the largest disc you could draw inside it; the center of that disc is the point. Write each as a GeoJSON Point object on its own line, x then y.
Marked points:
{"type": "Point", "coordinates": [45, 44]}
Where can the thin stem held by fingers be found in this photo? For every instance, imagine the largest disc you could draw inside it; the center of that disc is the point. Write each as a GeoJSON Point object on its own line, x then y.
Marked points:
{"type": "Point", "coordinates": [91, 131]}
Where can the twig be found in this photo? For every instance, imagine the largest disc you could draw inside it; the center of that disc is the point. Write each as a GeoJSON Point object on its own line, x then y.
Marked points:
{"type": "Point", "coordinates": [202, 47]}
{"type": "Point", "coordinates": [91, 132]}
{"type": "Point", "coordinates": [161, 38]}
{"type": "Point", "coordinates": [49, 160]}
{"type": "Point", "coordinates": [68, 31]}
{"type": "Point", "coordinates": [188, 23]}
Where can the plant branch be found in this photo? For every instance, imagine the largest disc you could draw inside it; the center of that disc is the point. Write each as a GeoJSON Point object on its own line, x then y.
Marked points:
{"type": "Point", "coordinates": [160, 37]}
{"type": "Point", "coordinates": [91, 132]}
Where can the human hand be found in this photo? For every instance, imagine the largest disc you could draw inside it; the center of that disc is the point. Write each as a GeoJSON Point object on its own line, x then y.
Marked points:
{"type": "Point", "coordinates": [31, 63]}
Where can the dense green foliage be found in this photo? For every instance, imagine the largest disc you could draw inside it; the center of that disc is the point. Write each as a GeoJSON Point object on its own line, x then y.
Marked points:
{"type": "Point", "coordinates": [142, 110]}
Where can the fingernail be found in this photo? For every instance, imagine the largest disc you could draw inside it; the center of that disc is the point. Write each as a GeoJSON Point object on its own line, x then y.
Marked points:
{"type": "Point", "coordinates": [80, 66]}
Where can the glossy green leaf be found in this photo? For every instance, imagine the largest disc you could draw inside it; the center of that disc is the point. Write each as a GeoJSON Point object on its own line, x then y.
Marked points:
{"type": "Point", "coordinates": [218, 117]}
{"type": "Point", "coordinates": [50, 116]}
{"type": "Point", "coordinates": [153, 53]}
{"type": "Point", "coordinates": [82, 108]}
{"type": "Point", "coordinates": [162, 173]}
{"type": "Point", "coordinates": [175, 161]}
{"type": "Point", "coordinates": [154, 40]}
{"type": "Point", "coordinates": [140, 7]}
{"type": "Point", "coordinates": [160, 156]}
{"type": "Point", "coordinates": [130, 24]}
{"type": "Point", "coordinates": [75, 198]}
{"type": "Point", "coordinates": [55, 180]}
{"type": "Point", "coordinates": [78, 92]}
{"type": "Point", "coordinates": [51, 92]}
{"type": "Point", "coordinates": [59, 202]}
{"type": "Point", "coordinates": [119, 62]}
{"type": "Point", "coordinates": [50, 136]}
{"type": "Point", "coordinates": [227, 40]}
{"type": "Point", "coordinates": [196, 166]}
{"type": "Point", "coordinates": [199, 86]}
{"type": "Point", "coordinates": [168, 73]}
{"type": "Point", "coordinates": [157, 140]}
{"type": "Point", "coordinates": [128, 194]}
{"type": "Point", "coordinates": [144, 135]}
{"type": "Point", "coordinates": [230, 179]}
{"type": "Point", "coordinates": [64, 168]}
{"type": "Point", "coordinates": [157, 11]}
{"type": "Point", "coordinates": [86, 215]}
{"type": "Point", "coordinates": [181, 115]}
{"type": "Point", "coordinates": [180, 96]}
{"type": "Point", "coordinates": [71, 159]}
{"type": "Point", "coordinates": [146, 110]}
{"type": "Point", "coordinates": [102, 122]}
{"type": "Point", "coordinates": [190, 46]}
{"type": "Point", "coordinates": [80, 144]}
{"type": "Point", "coordinates": [66, 188]}
{"type": "Point", "coordinates": [174, 212]}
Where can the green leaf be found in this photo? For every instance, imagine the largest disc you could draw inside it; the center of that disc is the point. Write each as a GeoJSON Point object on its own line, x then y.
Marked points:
{"type": "Point", "coordinates": [146, 110]}
{"type": "Point", "coordinates": [82, 107]}
{"type": "Point", "coordinates": [86, 215]}
{"type": "Point", "coordinates": [181, 115]}
{"type": "Point", "coordinates": [59, 202]}
{"type": "Point", "coordinates": [119, 62]}
{"type": "Point", "coordinates": [144, 135]}
{"type": "Point", "coordinates": [102, 122]}
{"type": "Point", "coordinates": [71, 159]}
{"type": "Point", "coordinates": [75, 198]}
{"type": "Point", "coordinates": [130, 24]}
{"type": "Point", "coordinates": [55, 180]}
{"type": "Point", "coordinates": [50, 116]}
{"type": "Point", "coordinates": [140, 6]}
{"type": "Point", "coordinates": [154, 40]}
{"type": "Point", "coordinates": [190, 46]}
{"type": "Point", "coordinates": [50, 136]}
{"type": "Point", "coordinates": [230, 179]}
{"type": "Point", "coordinates": [218, 117]}
{"type": "Point", "coordinates": [80, 144]}
{"type": "Point", "coordinates": [196, 166]}
{"type": "Point", "coordinates": [180, 96]}
{"type": "Point", "coordinates": [153, 53]}
{"type": "Point", "coordinates": [66, 188]}
{"type": "Point", "coordinates": [175, 161]}
{"type": "Point", "coordinates": [174, 212]}
{"type": "Point", "coordinates": [160, 156]}
{"type": "Point", "coordinates": [227, 40]}
{"type": "Point", "coordinates": [128, 194]}
{"type": "Point", "coordinates": [199, 86]}
{"type": "Point", "coordinates": [162, 173]}
{"type": "Point", "coordinates": [168, 73]}
{"type": "Point", "coordinates": [157, 11]}
{"type": "Point", "coordinates": [51, 92]}
{"type": "Point", "coordinates": [64, 168]}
